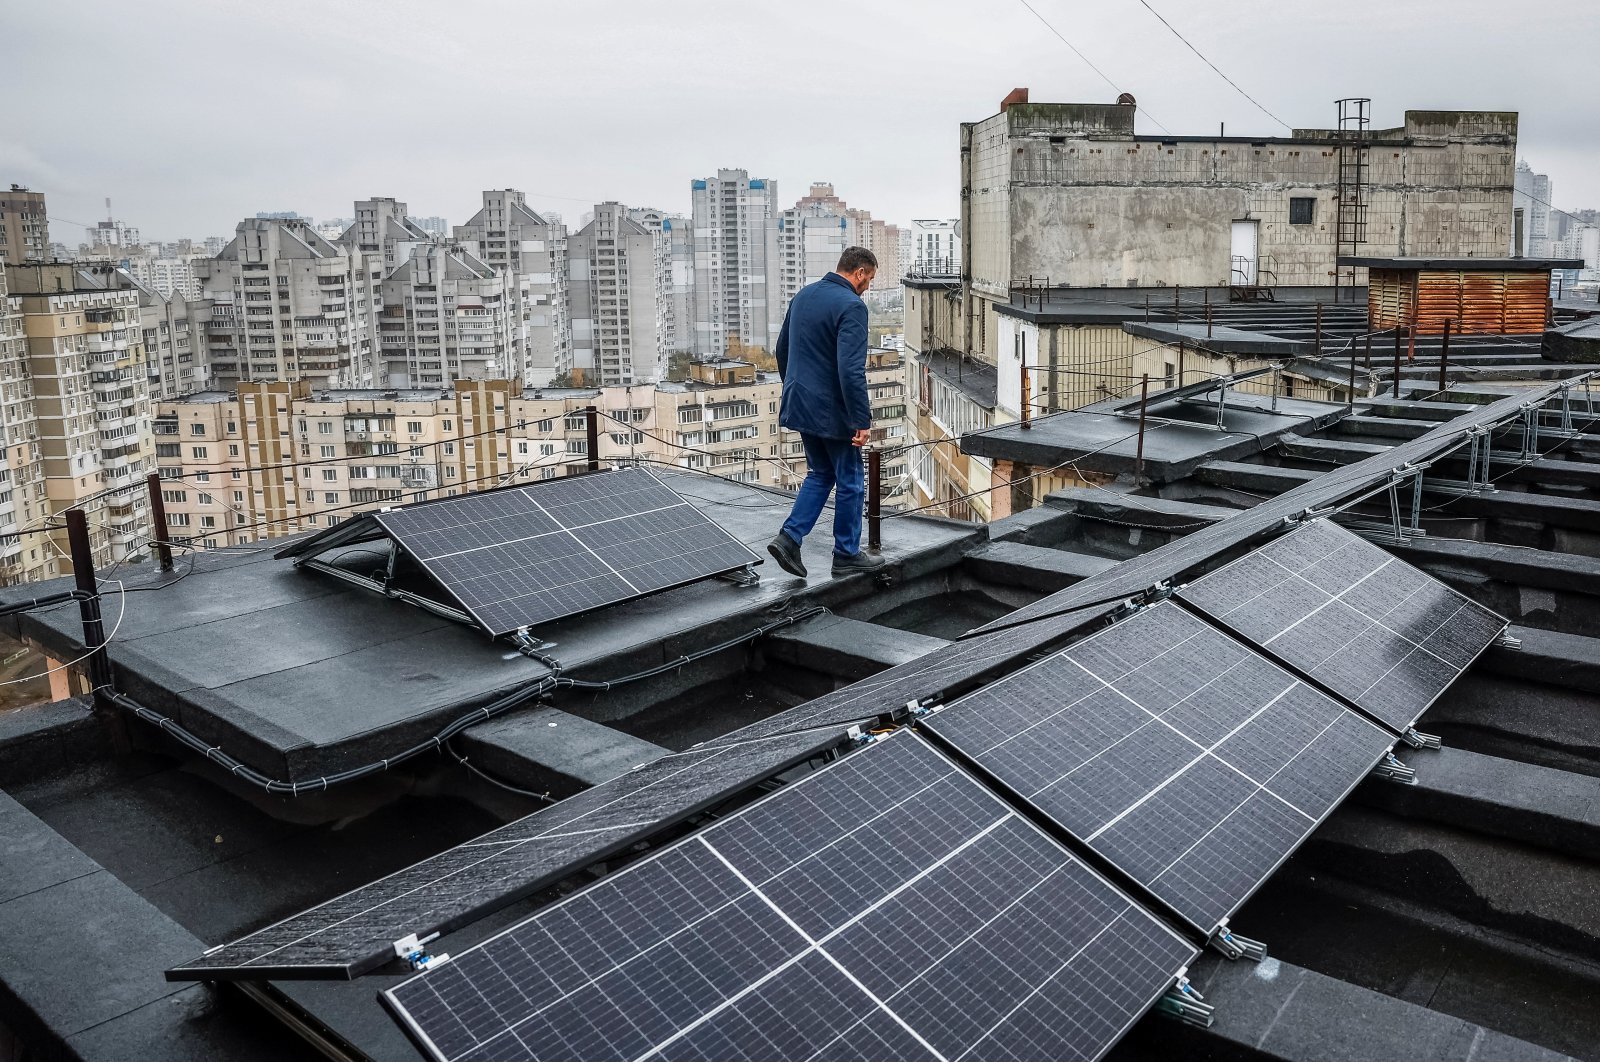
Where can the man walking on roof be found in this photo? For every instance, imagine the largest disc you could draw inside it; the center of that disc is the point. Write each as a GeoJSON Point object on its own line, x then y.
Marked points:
{"type": "Point", "coordinates": [822, 360]}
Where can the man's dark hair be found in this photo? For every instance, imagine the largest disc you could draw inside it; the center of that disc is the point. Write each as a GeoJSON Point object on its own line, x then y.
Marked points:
{"type": "Point", "coordinates": [854, 258]}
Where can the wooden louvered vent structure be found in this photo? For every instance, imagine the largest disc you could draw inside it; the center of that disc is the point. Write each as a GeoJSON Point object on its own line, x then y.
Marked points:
{"type": "Point", "coordinates": [1502, 296]}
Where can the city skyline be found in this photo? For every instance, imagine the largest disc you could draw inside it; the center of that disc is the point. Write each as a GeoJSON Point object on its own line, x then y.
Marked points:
{"type": "Point", "coordinates": [580, 117]}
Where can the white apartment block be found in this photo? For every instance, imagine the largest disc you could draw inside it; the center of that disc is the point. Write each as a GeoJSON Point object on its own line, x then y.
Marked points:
{"type": "Point", "coordinates": [446, 315]}
{"type": "Point", "coordinates": [168, 275]}
{"type": "Point", "coordinates": [22, 492]}
{"type": "Point", "coordinates": [616, 299]}
{"type": "Point", "coordinates": [531, 250]}
{"type": "Point", "coordinates": [674, 235]}
{"type": "Point", "coordinates": [735, 274]}
{"type": "Point", "coordinates": [935, 246]}
{"type": "Point", "coordinates": [174, 332]}
{"type": "Point", "coordinates": [810, 239]}
{"type": "Point", "coordinates": [287, 305]}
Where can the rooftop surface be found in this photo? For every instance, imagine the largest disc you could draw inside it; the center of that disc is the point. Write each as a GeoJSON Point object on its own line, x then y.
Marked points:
{"type": "Point", "coordinates": [1446, 919]}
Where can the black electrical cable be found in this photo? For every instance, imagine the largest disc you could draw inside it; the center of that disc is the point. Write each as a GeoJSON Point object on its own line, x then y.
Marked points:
{"type": "Point", "coordinates": [514, 699]}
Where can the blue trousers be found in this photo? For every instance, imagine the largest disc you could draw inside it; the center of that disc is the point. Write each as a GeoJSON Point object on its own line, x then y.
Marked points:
{"type": "Point", "coordinates": [834, 467]}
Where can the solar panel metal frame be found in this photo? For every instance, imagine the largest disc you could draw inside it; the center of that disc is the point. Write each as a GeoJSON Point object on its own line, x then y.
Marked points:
{"type": "Point", "coordinates": [1190, 951]}
{"type": "Point", "coordinates": [972, 761]}
{"type": "Point", "coordinates": [205, 968]}
{"type": "Point", "coordinates": [1399, 726]}
{"type": "Point", "coordinates": [393, 523]}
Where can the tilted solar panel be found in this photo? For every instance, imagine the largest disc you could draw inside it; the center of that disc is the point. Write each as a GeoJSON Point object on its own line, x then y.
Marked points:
{"type": "Point", "coordinates": [888, 907]}
{"type": "Point", "coordinates": [1186, 759]}
{"type": "Point", "coordinates": [1368, 626]}
{"type": "Point", "coordinates": [528, 555]}
{"type": "Point", "coordinates": [354, 933]}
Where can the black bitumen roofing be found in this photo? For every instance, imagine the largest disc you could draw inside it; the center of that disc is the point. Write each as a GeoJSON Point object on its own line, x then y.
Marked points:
{"type": "Point", "coordinates": [978, 380]}
{"type": "Point", "coordinates": [1448, 920]}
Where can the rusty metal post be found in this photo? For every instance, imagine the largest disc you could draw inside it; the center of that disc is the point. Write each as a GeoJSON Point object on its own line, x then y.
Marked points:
{"type": "Point", "coordinates": [1444, 358]}
{"type": "Point", "coordinates": [1144, 401]}
{"type": "Point", "coordinates": [158, 517]}
{"type": "Point", "coordinates": [591, 417]}
{"type": "Point", "coordinates": [1317, 352]}
{"type": "Point", "coordinates": [1208, 315]}
{"type": "Point", "coordinates": [94, 632]}
{"type": "Point", "coordinates": [1351, 404]}
{"type": "Point", "coordinates": [1027, 396]}
{"type": "Point", "coordinates": [1411, 344]}
{"type": "Point", "coordinates": [1397, 346]}
{"type": "Point", "coordinates": [874, 498]}
{"type": "Point", "coordinates": [1177, 301]}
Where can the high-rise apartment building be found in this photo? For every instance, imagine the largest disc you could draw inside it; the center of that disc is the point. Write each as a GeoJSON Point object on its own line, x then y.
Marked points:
{"type": "Point", "coordinates": [446, 315]}
{"type": "Point", "coordinates": [615, 295]}
{"type": "Point", "coordinates": [436, 225]}
{"type": "Point", "coordinates": [287, 304]}
{"type": "Point", "coordinates": [169, 275]}
{"type": "Point", "coordinates": [23, 504]}
{"type": "Point", "coordinates": [174, 332]}
{"type": "Point", "coordinates": [532, 251]}
{"type": "Point", "coordinates": [735, 262]}
{"type": "Point", "coordinates": [384, 232]}
{"type": "Point", "coordinates": [24, 227]}
{"type": "Point", "coordinates": [112, 235]}
{"type": "Point", "coordinates": [935, 247]}
{"type": "Point", "coordinates": [810, 238]}
{"type": "Point", "coordinates": [90, 417]}
{"type": "Point", "coordinates": [674, 236]}
{"type": "Point", "coordinates": [1532, 196]}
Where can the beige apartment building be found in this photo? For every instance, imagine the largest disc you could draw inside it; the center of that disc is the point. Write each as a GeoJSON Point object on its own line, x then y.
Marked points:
{"type": "Point", "coordinates": [24, 226]}
{"type": "Point", "coordinates": [77, 421]}
{"type": "Point", "coordinates": [272, 459]}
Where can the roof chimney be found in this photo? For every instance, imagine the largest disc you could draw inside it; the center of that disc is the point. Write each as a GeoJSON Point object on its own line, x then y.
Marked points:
{"type": "Point", "coordinates": [1017, 95]}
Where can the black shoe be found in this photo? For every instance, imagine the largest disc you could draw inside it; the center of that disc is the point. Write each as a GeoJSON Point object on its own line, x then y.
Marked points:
{"type": "Point", "coordinates": [860, 562]}
{"type": "Point", "coordinates": [786, 551]}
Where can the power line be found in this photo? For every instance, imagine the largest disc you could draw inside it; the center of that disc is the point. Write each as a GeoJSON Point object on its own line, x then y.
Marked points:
{"type": "Point", "coordinates": [1091, 66]}
{"type": "Point", "coordinates": [1213, 66]}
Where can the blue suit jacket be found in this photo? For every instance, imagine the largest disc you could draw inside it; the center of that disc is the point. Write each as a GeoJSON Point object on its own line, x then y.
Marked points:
{"type": "Point", "coordinates": [822, 359]}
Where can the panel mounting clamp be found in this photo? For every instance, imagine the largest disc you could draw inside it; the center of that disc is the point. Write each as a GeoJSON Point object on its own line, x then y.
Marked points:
{"type": "Point", "coordinates": [1418, 740]}
{"type": "Point", "coordinates": [1391, 768]}
{"type": "Point", "coordinates": [1233, 946]}
{"type": "Point", "coordinates": [1181, 1001]}
{"type": "Point", "coordinates": [413, 951]}
{"type": "Point", "coordinates": [746, 576]}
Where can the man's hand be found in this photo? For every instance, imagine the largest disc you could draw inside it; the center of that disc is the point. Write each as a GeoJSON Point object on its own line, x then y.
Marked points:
{"type": "Point", "coordinates": [861, 438]}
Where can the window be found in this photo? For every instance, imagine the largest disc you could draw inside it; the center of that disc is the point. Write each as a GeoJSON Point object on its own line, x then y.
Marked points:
{"type": "Point", "coordinates": [1302, 210]}
{"type": "Point", "coordinates": [168, 450]}
{"type": "Point", "coordinates": [197, 429]}
{"type": "Point", "coordinates": [178, 519]}
{"type": "Point", "coordinates": [325, 427]}
{"type": "Point", "coordinates": [330, 499]}
{"type": "Point", "coordinates": [233, 449]}
{"type": "Point", "coordinates": [546, 426]}
{"type": "Point", "coordinates": [238, 496]}
{"type": "Point", "coordinates": [203, 498]}
{"type": "Point", "coordinates": [445, 424]}
{"type": "Point", "coordinates": [327, 451]}
{"type": "Point", "coordinates": [202, 477]}
{"type": "Point", "coordinates": [208, 521]}
{"type": "Point", "coordinates": [330, 474]}
{"type": "Point", "coordinates": [199, 453]}
{"type": "Point", "coordinates": [174, 496]}
{"type": "Point", "coordinates": [414, 427]}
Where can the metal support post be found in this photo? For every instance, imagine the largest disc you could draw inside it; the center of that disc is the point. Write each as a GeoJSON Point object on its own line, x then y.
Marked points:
{"type": "Point", "coordinates": [158, 517]}
{"type": "Point", "coordinates": [1027, 396]}
{"type": "Point", "coordinates": [1368, 362]}
{"type": "Point", "coordinates": [1416, 503]}
{"type": "Point", "coordinates": [1277, 372]}
{"type": "Point", "coordinates": [591, 417]}
{"type": "Point", "coordinates": [1444, 359]}
{"type": "Point", "coordinates": [1317, 352]}
{"type": "Point", "coordinates": [1177, 302]}
{"type": "Point", "coordinates": [1144, 401]}
{"type": "Point", "coordinates": [1351, 403]}
{"type": "Point", "coordinates": [1397, 338]}
{"type": "Point", "coordinates": [1208, 313]}
{"type": "Point", "coordinates": [94, 632]}
{"type": "Point", "coordinates": [874, 498]}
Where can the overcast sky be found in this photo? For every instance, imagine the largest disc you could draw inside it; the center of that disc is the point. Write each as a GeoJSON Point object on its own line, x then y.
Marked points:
{"type": "Point", "coordinates": [192, 115]}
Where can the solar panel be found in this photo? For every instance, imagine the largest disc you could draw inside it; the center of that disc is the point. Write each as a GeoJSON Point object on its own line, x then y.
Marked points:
{"type": "Point", "coordinates": [354, 933]}
{"type": "Point", "coordinates": [1186, 759]}
{"type": "Point", "coordinates": [528, 555]}
{"type": "Point", "coordinates": [1379, 633]}
{"type": "Point", "coordinates": [887, 907]}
